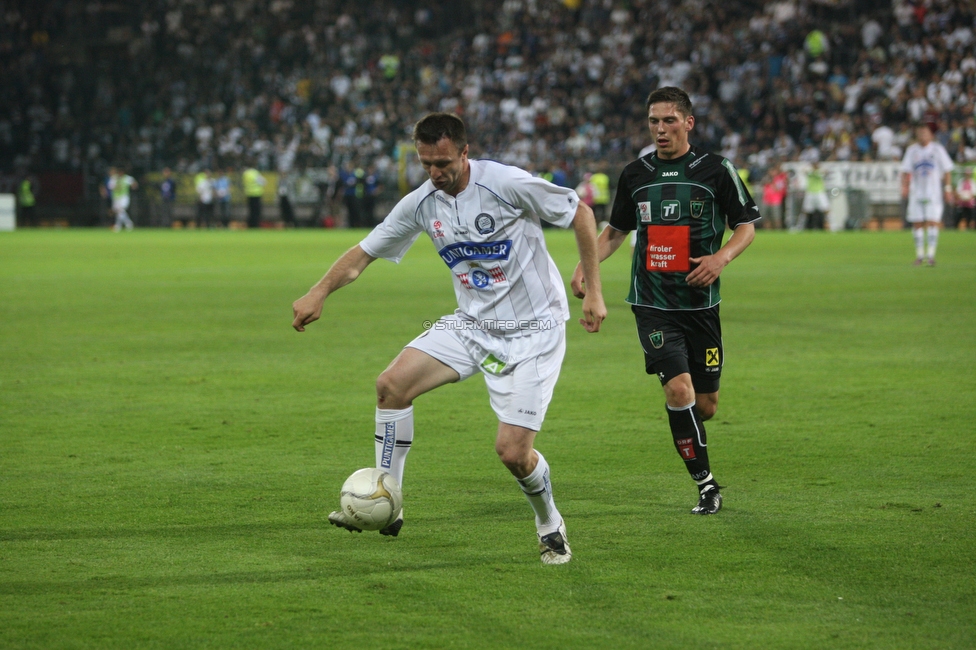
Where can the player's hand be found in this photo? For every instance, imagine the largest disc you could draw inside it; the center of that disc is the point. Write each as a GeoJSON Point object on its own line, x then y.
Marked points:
{"type": "Point", "coordinates": [594, 312]}
{"type": "Point", "coordinates": [706, 271]}
{"type": "Point", "coordinates": [306, 309]}
{"type": "Point", "coordinates": [577, 284]}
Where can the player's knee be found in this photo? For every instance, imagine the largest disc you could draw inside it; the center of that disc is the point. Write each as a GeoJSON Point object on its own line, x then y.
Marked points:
{"type": "Point", "coordinates": [390, 393]}
{"type": "Point", "coordinates": [706, 410]}
{"type": "Point", "coordinates": [679, 393]}
{"type": "Point", "coordinates": [706, 405]}
{"type": "Point", "coordinates": [513, 457]}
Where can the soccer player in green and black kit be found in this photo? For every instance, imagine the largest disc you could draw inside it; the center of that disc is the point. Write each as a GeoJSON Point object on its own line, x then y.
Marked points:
{"type": "Point", "coordinates": [679, 199]}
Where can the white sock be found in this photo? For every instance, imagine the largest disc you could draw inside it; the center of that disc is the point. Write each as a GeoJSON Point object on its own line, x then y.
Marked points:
{"type": "Point", "coordinates": [538, 492]}
{"type": "Point", "coordinates": [919, 234]}
{"type": "Point", "coordinates": [933, 240]}
{"type": "Point", "coordinates": [394, 435]}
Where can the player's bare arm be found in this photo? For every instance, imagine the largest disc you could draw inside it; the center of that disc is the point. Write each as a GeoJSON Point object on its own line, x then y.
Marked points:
{"type": "Point", "coordinates": [606, 245]}
{"type": "Point", "coordinates": [709, 267]}
{"type": "Point", "coordinates": [594, 309]}
{"type": "Point", "coordinates": [347, 268]}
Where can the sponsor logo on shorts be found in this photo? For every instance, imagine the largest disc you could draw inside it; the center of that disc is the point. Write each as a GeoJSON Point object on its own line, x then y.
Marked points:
{"type": "Point", "coordinates": [657, 339]}
{"type": "Point", "coordinates": [484, 223]}
{"type": "Point", "coordinates": [712, 357]}
{"type": "Point", "coordinates": [493, 365]}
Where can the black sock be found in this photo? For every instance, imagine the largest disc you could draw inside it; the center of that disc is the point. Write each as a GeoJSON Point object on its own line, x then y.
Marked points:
{"type": "Point", "coordinates": [688, 432]}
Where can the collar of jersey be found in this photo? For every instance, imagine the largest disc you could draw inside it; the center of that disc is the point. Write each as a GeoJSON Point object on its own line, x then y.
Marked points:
{"type": "Point", "coordinates": [674, 161]}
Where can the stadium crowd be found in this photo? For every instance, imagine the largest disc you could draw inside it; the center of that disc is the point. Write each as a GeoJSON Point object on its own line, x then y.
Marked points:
{"type": "Point", "coordinates": [542, 84]}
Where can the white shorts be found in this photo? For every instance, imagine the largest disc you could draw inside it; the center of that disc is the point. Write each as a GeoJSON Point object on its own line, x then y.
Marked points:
{"type": "Point", "coordinates": [920, 210]}
{"type": "Point", "coordinates": [520, 372]}
{"type": "Point", "coordinates": [120, 203]}
{"type": "Point", "coordinates": [815, 201]}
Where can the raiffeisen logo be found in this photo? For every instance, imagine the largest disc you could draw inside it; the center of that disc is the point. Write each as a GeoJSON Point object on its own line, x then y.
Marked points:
{"type": "Point", "coordinates": [464, 251]}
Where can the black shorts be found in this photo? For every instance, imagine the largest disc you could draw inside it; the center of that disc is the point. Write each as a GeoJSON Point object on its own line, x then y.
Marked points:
{"type": "Point", "coordinates": [676, 342]}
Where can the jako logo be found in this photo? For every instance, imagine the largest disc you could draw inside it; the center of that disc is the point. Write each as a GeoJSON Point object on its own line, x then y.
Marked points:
{"type": "Point", "coordinates": [669, 173]}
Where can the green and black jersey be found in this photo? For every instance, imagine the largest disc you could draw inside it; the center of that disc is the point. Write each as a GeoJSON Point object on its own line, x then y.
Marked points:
{"type": "Point", "coordinates": [680, 209]}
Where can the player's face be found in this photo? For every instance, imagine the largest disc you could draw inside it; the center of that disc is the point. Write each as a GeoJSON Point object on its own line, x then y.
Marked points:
{"type": "Point", "coordinates": [669, 129]}
{"type": "Point", "coordinates": [924, 135]}
{"type": "Point", "coordinates": [446, 166]}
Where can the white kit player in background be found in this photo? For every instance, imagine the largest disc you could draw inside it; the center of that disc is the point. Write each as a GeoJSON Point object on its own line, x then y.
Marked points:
{"type": "Point", "coordinates": [925, 180]}
{"type": "Point", "coordinates": [484, 220]}
{"type": "Point", "coordinates": [120, 184]}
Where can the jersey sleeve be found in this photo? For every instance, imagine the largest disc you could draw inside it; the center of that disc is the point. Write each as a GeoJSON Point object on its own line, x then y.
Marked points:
{"type": "Point", "coordinates": [734, 199]}
{"type": "Point", "coordinates": [396, 234]}
{"type": "Point", "coordinates": [945, 161]}
{"type": "Point", "coordinates": [623, 214]}
{"type": "Point", "coordinates": [549, 201]}
{"type": "Point", "coordinates": [906, 161]}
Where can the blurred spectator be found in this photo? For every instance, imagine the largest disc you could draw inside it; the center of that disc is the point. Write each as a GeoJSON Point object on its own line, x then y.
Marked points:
{"type": "Point", "coordinates": [221, 186]}
{"type": "Point", "coordinates": [600, 184]}
{"type": "Point", "coordinates": [254, 184]}
{"type": "Point", "coordinates": [966, 201]}
{"type": "Point", "coordinates": [371, 188]}
{"type": "Point", "coordinates": [204, 184]}
{"type": "Point", "coordinates": [167, 195]}
{"type": "Point", "coordinates": [285, 208]}
{"type": "Point", "coordinates": [26, 200]}
{"type": "Point", "coordinates": [585, 189]}
{"type": "Point", "coordinates": [816, 204]}
{"type": "Point", "coordinates": [120, 186]}
{"type": "Point", "coordinates": [774, 197]}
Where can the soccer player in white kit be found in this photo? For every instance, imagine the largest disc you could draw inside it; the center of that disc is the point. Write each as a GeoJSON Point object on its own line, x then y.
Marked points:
{"type": "Point", "coordinates": [484, 219]}
{"type": "Point", "coordinates": [120, 184]}
{"type": "Point", "coordinates": [926, 178]}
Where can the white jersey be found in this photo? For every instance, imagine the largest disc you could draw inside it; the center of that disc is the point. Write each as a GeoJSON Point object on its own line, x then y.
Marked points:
{"type": "Point", "coordinates": [928, 166]}
{"type": "Point", "coordinates": [490, 237]}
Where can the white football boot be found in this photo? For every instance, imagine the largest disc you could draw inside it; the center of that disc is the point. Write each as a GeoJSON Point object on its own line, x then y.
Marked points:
{"type": "Point", "coordinates": [554, 547]}
{"type": "Point", "coordinates": [340, 519]}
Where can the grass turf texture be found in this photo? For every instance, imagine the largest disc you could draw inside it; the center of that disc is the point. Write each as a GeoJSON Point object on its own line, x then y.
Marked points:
{"type": "Point", "coordinates": [170, 448]}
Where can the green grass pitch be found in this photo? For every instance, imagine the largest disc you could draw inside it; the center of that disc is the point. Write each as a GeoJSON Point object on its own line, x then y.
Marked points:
{"type": "Point", "coordinates": [170, 449]}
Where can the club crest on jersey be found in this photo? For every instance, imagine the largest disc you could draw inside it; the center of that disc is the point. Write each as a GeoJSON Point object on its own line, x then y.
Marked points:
{"type": "Point", "coordinates": [478, 279]}
{"type": "Point", "coordinates": [644, 208]}
{"type": "Point", "coordinates": [657, 339]}
{"type": "Point", "coordinates": [484, 223]}
{"type": "Point", "coordinates": [697, 208]}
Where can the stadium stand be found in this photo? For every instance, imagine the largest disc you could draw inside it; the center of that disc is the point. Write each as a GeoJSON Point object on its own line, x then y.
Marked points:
{"type": "Point", "coordinates": [289, 85]}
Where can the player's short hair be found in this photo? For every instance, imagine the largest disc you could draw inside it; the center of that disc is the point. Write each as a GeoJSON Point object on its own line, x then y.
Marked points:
{"type": "Point", "coordinates": [670, 95]}
{"type": "Point", "coordinates": [434, 126]}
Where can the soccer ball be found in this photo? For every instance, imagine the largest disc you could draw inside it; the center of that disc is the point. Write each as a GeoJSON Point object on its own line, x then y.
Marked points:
{"type": "Point", "coordinates": [371, 498]}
